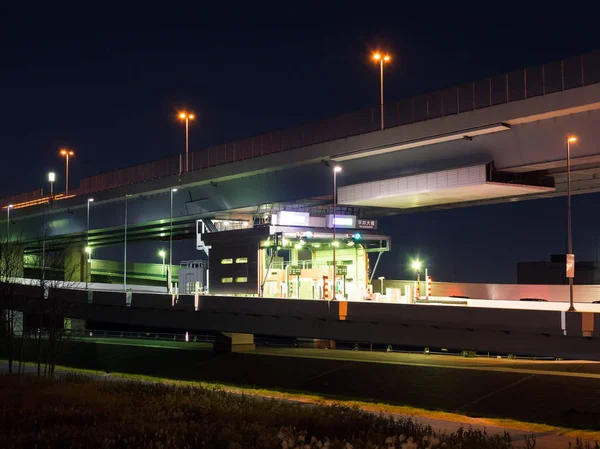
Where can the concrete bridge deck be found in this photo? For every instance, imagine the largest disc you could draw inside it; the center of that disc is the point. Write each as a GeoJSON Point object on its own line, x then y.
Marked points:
{"type": "Point", "coordinates": [528, 332]}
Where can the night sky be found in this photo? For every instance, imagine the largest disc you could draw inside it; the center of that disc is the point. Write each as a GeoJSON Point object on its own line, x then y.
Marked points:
{"type": "Point", "coordinates": [108, 82]}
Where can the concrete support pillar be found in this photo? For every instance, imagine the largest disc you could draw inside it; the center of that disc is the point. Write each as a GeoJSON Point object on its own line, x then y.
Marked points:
{"type": "Point", "coordinates": [73, 263]}
{"type": "Point", "coordinates": [234, 342]}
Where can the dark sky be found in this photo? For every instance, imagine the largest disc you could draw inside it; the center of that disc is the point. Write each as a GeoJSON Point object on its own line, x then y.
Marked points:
{"type": "Point", "coordinates": [107, 81]}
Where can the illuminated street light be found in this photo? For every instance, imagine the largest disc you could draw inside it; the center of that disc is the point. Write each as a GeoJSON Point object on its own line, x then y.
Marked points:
{"type": "Point", "coordinates": [416, 265]}
{"type": "Point", "coordinates": [87, 238]}
{"type": "Point", "coordinates": [67, 153]}
{"type": "Point", "coordinates": [187, 117]}
{"type": "Point", "coordinates": [336, 169]}
{"type": "Point", "coordinates": [170, 275]}
{"type": "Point", "coordinates": [125, 245]}
{"type": "Point", "coordinates": [570, 140]}
{"type": "Point", "coordinates": [51, 179]}
{"type": "Point", "coordinates": [381, 59]}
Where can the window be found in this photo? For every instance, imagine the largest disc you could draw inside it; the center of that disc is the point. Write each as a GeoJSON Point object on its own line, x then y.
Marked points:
{"type": "Point", "coordinates": [226, 261]}
{"type": "Point", "coordinates": [241, 279]}
{"type": "Point", "coordinates": [190, 287]}
{"type": "Point", "coordinates": [226, 280]}
{"type": "Point", "coordinates": [241, 260]}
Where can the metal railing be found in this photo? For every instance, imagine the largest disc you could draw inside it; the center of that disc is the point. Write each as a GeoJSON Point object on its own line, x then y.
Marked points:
{"type": "Point", "coordinates": [517, 85]}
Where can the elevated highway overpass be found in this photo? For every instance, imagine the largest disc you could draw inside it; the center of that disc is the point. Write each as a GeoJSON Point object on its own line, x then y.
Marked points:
{"type": "Point", "coordinates": [506, 133]}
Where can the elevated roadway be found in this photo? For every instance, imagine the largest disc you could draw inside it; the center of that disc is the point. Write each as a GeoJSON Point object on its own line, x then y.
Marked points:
{"type": "Point", "coordinates": [527, 332]}
{"type": "Point", "coordinates": [511, 128]}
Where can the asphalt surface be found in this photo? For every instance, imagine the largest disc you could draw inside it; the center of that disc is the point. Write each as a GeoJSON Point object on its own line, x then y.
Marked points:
{"type": "Point", "coordinates": [565, 394]}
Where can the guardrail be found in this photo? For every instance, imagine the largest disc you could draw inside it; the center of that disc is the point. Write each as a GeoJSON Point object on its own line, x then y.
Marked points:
{"type": "Point", "coordinates": [514, 86]}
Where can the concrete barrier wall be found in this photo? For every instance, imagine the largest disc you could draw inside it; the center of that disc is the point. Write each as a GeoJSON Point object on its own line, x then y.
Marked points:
{"type": "Point", "coordinates": [528, 321]}
{"type": "Point", "coordinates": [270, 306]}
{"type": "Point", "coordinates": [151, 301]}
{"type": "Point", "coordinates": [184, 303]}
{"type": "Point", "coordinates": [558, 293]}
{"type": "Point", "coordinates": [358, 331]}
{"type": "Point", "coordinates": [109, 299]}
{"type": "Point", "coordinates": [535, 332]}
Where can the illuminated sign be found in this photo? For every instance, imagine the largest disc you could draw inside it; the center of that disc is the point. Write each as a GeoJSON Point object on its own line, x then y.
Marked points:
{"type": "Point", "coordinates": [287, 218]}
{"type": "Point", "coordinates": [366, 224]}
{"type": "Point", "coordinates": [341, 221]}
{"type": "Point", "coordinates": [294, 270]}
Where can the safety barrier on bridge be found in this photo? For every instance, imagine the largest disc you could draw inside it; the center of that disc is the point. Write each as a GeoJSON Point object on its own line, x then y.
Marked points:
{"type": "Point", "coordinates": [514, 86]}
{"type": "Point", "coordinates": [527, 332]}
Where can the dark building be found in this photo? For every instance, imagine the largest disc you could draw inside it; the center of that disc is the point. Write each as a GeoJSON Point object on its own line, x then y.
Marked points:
{"type": "Point", "coordinates": [554, 272]}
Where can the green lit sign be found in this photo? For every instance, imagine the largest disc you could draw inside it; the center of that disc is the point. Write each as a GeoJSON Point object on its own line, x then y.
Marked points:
{"type": "Point", "coordinates": [341, 270]}
{"type": "Point", "coordinates": [294, 270]}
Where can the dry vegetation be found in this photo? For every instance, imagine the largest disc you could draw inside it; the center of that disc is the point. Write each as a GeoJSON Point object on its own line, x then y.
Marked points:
{"type": "Point", "coordinates": [81, 412]}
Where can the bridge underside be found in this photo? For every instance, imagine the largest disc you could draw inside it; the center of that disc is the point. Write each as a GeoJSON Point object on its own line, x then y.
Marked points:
{"type": "Point", "coordinates": [521, 144]}
{"type": "Point", "coordinates": [433, 189]}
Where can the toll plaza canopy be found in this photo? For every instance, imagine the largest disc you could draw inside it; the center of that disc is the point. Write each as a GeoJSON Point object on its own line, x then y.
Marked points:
{"type": "Point", "coordinates": [283, 260]}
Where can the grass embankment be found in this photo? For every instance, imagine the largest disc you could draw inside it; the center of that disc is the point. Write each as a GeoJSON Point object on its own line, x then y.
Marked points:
{"type": "Point", "coordinates": [81, 412]}
{"type": "Point", "coordinates": [557, 404]}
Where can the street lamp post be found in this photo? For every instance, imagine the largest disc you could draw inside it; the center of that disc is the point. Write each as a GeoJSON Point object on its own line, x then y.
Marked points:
{"type": "Point", "coordinates": [570, 273]}
{"type": "Point", "coordinates": [88, 251]}
{"type": "Point", "coordinates": [170, 275]}
{"type": "Point", "coordinates": [336, 170]}
{"type": "Point", "coordinates": [51, 179]}
{"type": "Point", "coordinates": [187, 117]}
{"type": "Point", "coordinates": [381, 58]}
{"type": "Point", "coordinates": [125, 248]}
{"type": "Point", "coordinates": [8, 208]}
{"type": "Point", "coordinates": [67, 153]}
{"type": "Point", "coordinates": [87, 241]}
{"type": "Point", "coordinates": [87, 233]}
{"type": "Point", "coordinates": [416, 264]}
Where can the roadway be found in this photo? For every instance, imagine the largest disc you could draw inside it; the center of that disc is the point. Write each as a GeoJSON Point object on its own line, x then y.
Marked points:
{"type": "Point", "coordinates": [565, 394]}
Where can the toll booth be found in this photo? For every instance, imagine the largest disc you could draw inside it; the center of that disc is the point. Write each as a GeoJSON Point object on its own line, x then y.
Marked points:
{"type": "Point", "coordinates": [293, 258]}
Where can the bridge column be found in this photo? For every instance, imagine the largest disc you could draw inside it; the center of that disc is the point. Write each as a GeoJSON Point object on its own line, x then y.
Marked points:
{"type": "Point", "coordinates": [74, 260]}
{"type": "Point", "coordinates": [234, 342]}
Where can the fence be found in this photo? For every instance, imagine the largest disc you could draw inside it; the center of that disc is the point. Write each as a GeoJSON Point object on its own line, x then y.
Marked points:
{"type": "Point", "coordinates": [517, 85]}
